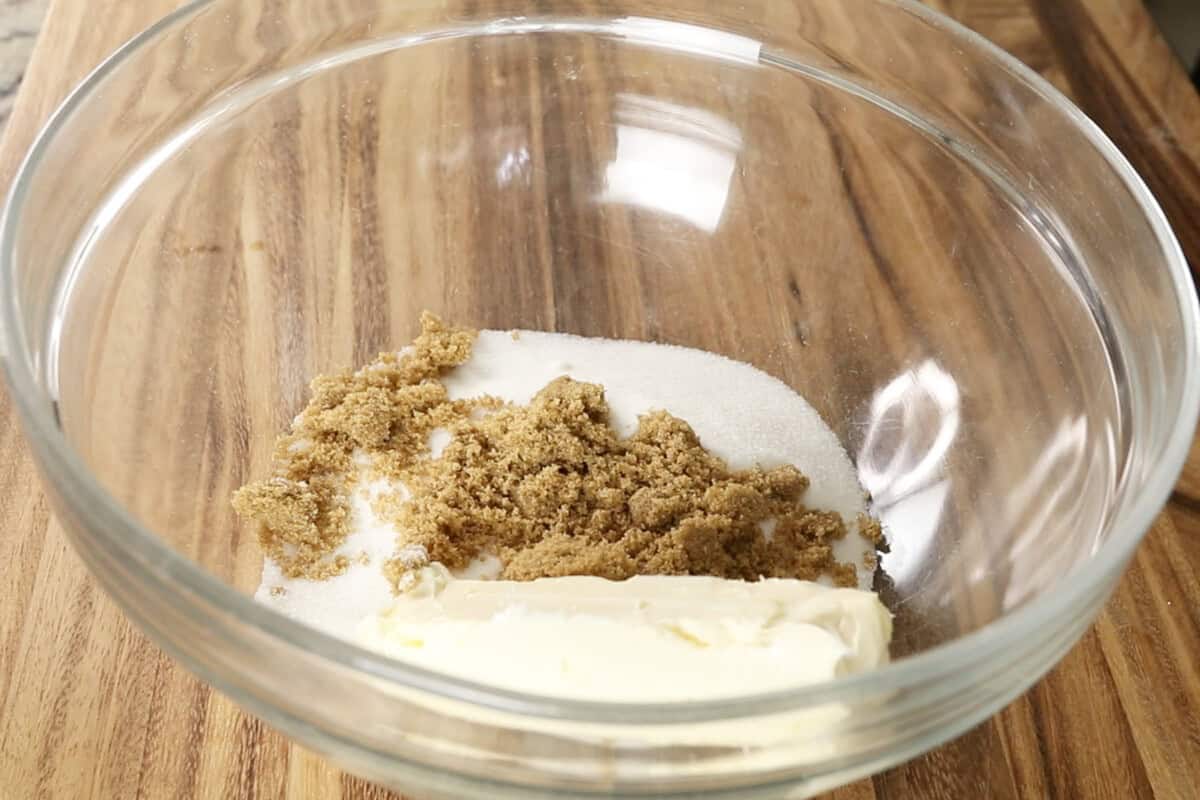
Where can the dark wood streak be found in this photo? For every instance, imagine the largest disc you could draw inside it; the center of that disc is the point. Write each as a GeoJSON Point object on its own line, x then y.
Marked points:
{"type": "Point", "coordinates": [145, 392]}
{"type": "Point", "coordinates": [154, 714]}
{"type": "Point", "coordinates": [539, 176]}
{"type": "Point", "coordinates": [188, 772]}
{"type": "Point", "coordinates": [1158, 603]}
{"type": "Point", "coordinates": [1183, 562]}
{"type": "Point", "coordinates": [1106, 89]}
{"type": "Point", "coordinates": [847, 171]}
{"type": "Point", "coordinates": [239, 439]}
{"type": "Point", "coordinates": [360, 141]}
{"type": "Point", "coordinates": [361, 790]}
{"type": "Point", "coordinates": [208, 259]}
{"type": "Point", "coordinates": [23, 544]}
{"type": "Point", "coordinates": [82, 612]}
{"type": "Point", "coordinates": [1023, 710]}
{"type": "Point", "coordinates": [1184, 499]}
{"type": "Point", "coordinates": [850, 365]}
{"type": "Point", "coordinates": [567, 221]}
{"type": "Point", "coordinates": [1105, 707]}
{"type": "Point", "coordinates": [287, 243]}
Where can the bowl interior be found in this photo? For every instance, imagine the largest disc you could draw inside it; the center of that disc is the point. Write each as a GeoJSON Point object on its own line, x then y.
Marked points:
{"type": "Point", "coordinates": [931, 255]}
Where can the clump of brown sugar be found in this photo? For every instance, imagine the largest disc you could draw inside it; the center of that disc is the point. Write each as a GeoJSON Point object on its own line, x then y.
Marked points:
{"type": "Point", "coordinates": [388, 408]}
{"type": "Point", "coordinates": [551, 490]}
{"type": "Point", "coordinates": [548, 488]}
{"type": "Point", "coordinates": [871, 529]}
{"type": "Point", "coordinates": [301, 521]}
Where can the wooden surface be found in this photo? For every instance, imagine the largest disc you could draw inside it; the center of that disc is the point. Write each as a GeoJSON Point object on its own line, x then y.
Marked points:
{"type": "Point", "coordinates": [89, 708]}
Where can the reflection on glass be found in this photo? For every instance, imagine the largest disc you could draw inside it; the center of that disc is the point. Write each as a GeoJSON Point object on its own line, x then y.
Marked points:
{"type": "Point", "coordinates": [913, 422]}
{"type": "Point", "coordinates": [514, 165]}
{"type": "Point", "coordinates": [686, 38]}
{"type": "Point", "coordinates": [672, 159]}
{"type": "Point", "coordinates": [1055, 508]}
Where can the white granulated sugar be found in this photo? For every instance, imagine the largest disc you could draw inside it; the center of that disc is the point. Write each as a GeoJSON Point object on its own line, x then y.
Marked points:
{"type": "Point", "coordinates": [438, 439]}
{"type": "Point", "coordinates": [336, 604]}
{"type": "Point", "coordinates": [486, 567]}
{"type": "Point", "coordinates": [740, 413]}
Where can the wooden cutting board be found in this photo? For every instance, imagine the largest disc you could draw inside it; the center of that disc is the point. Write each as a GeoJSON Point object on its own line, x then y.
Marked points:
{"type": "Point", "coordinates": [91, 709]}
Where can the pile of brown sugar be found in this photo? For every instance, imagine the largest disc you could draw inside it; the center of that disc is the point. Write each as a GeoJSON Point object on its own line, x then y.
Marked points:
{"type": "Point", "coordinates": [386, 410]}
{"type": "Point", "coordinates": [548, 488]}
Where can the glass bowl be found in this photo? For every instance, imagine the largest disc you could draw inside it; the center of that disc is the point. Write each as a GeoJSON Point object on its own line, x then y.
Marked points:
{"type": "Point", "coordinates": [953, 265]}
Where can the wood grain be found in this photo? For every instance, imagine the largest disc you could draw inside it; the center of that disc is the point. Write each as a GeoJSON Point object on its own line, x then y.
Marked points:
{"type": "Point", "coordinates": [89, 708]}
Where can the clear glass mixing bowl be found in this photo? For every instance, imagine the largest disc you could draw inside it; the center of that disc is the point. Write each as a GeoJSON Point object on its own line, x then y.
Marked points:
{"type": "Point", "coordinates": [860, 197]}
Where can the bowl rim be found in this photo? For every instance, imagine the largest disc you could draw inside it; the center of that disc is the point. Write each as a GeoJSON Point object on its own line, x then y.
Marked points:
{"type": "Point", "coordinates": [150, 555]}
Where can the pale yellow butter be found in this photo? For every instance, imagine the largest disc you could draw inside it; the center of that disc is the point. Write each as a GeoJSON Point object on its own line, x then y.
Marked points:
{"type": "Point", "coordinates": [646, 639]}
